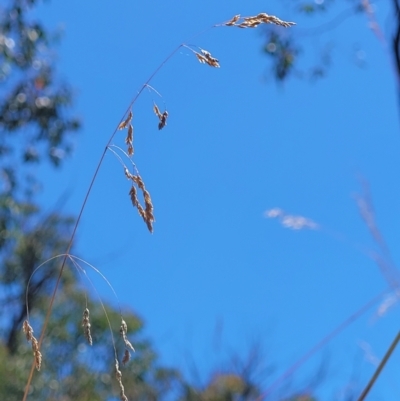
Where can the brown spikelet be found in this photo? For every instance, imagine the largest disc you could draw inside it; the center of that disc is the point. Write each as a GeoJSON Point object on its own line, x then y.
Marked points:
{"type": "Point", "coordinates": [127, 121]}
{"type": "Point", "coordinates": [254, 21]}
{"type": "Point", "coordinates": [27, 329]}
{"type": "Point", "coordinates": [37, 354]}
{"type": "Point", "coordinates": [161, 116]}
{"type": "Point", "coordinates": [118, 375]}
{"type": "Point", "coordinates": [156, 111]}
{"type": "Point", "coordinates": [128, 175]}
{"type": "Point", "coordinates": [129, 140]}
{"type": "Point", "coordinates": [133, 195]}
{"type": "Point", "coordinates": [201, 58]}
{"type": "Point", "coordinates": [123, 330]}
{"type": "Point", "coordinates": [271, 19]}
{"type": "Point", "coordinates": [86, 326]}
{"type": "Point", "coordinates": [147, 212]}
{"type": "Point", "coordinates": [206, 58]}
{"type": "Point", "coordinates": [249, 24]}
{"type": "Point", "coordinates": [128, 346]}
{"type": "Point", "coordinates": [147, 215]}
{"type": "Point", "coordinates": [136, 203]}
{"type": "Point", "coordinates": [163, 120]}
{"type": "Point", "coordinates": [126, 358]}
{"type": "Point", "coordinates": [233, 20]}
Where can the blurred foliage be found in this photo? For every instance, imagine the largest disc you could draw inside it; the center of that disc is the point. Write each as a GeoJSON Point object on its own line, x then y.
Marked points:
{"type": "Point", "coordinates": [34, 125]}
{"type": "Point", "coordinates": [287, 49]}
{"type": "Point", "coordinates": [74, 370]}
{"type": "Point", "coordinates": [34, 119]}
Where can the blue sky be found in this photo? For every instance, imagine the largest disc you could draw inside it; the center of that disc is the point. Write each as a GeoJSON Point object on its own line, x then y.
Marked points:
{"type": "Point", "coordinates": [217, 275]}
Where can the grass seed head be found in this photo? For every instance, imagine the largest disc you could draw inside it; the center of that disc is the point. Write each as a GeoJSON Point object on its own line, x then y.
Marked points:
{"type": "Point", "coordinates": [126, 358]}
{"type": "Point", "coordinates": [127, 121]}
{"type": "Point", "coordinates": [118, 375]}
{"type": "Point", "coordinates": [86, 326]}
{"type": "Point", "coordinates": [36, 353]}
{"type": "Point", "coordinates": [147, 215]}
{"type": "Point", "coordinates": [123, 331]}
{"type": "Point", "coordinates": [163, 120]}
{"type": "Point", "coordinates": [27, 329]}
{"type": "Point", "coordinates": [133, 195]}
{"type": "Point", "coordinates": [205, 57]}
{"type": "Point", "coordinates": [161, 116]}
{"type": "Point", "coordinates": [254, 21]}
{"type": "Point", "coordinates": [233, 20]}
{"type": "Point", "coordinates": [129, 140]}
{"type": "Point", "coordinates": [156, 111]}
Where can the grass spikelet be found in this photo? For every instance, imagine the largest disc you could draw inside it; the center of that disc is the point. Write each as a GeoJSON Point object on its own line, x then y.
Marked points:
{"type": "Point", "coordinates": [123, 330]}
{"type": "Point", "coordinates": [128, 175]}
{"type": "Point", "coordinates": [161, 116]}
{"type": "Point", "coordinates": [147, 212]}
{"type": "Point", "coordinates": [134, 198]}
{"type": "Point", "coordinates": [126, 358]}
{"type": "Point", "coordinates": [156, 111]}
{"type": "Point", "coordinates": [201, 58]}
{"type": "Point", "coordinates": [118, 375]}
{"type": "Point", "coordinates": [249, 24]}
{"type": "Point", "coordinates": [27, 329]}
{"type": "Point", "coordinates": [272, 19]}
{"type": "Point", "coordinates": [136, 203]}
{"type": "Point", "coordinates": [254, 21]}
{"type": "Point", "coordinates": [127, 121]}
{"type": "Point", "coordinates": [86, 326]}
{"type": "Point", "coordinates": [233, 20]}
{"type": "Point", "coordinates": [37, 354]}
{"type": "Point", "coordinates": [205, 57]}
{"type": "Point", "coordinates": [129, 140]}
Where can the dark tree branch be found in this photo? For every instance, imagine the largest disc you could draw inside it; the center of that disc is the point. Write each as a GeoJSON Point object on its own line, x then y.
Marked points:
{"type": "Point", "coordinates": [396, 37]}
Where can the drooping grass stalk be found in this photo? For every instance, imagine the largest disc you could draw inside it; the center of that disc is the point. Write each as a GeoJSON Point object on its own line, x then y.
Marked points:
{"type": "Point", "coordinates": [204, 57]}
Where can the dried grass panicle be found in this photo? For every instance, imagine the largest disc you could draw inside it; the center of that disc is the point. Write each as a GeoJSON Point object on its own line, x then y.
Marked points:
{"type": "Point", "coordinates": [205, 57]}
{"type": "Point", "coordinates": [27, 329]}
{"type": "Point", "coordinates": [161, 116]}
{"type": "Point", "coordinates": [127, 121]}
{"type": "Point", "coordinates": [118, 375]}
{"type": "Point", "coordinates": [254, 21]}
{"type": "Point", "coordinates": [147, 211]}
{"type": "Point", "coordinates": [86, 326]}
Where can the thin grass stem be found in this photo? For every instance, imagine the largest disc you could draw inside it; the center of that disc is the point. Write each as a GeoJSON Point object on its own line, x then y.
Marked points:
{"type": "Point", "coordinates": [380, 367]}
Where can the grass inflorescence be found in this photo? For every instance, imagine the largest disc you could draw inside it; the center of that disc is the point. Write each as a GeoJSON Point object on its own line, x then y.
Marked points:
{"type": "Point", "coordinates": [145, 207]}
